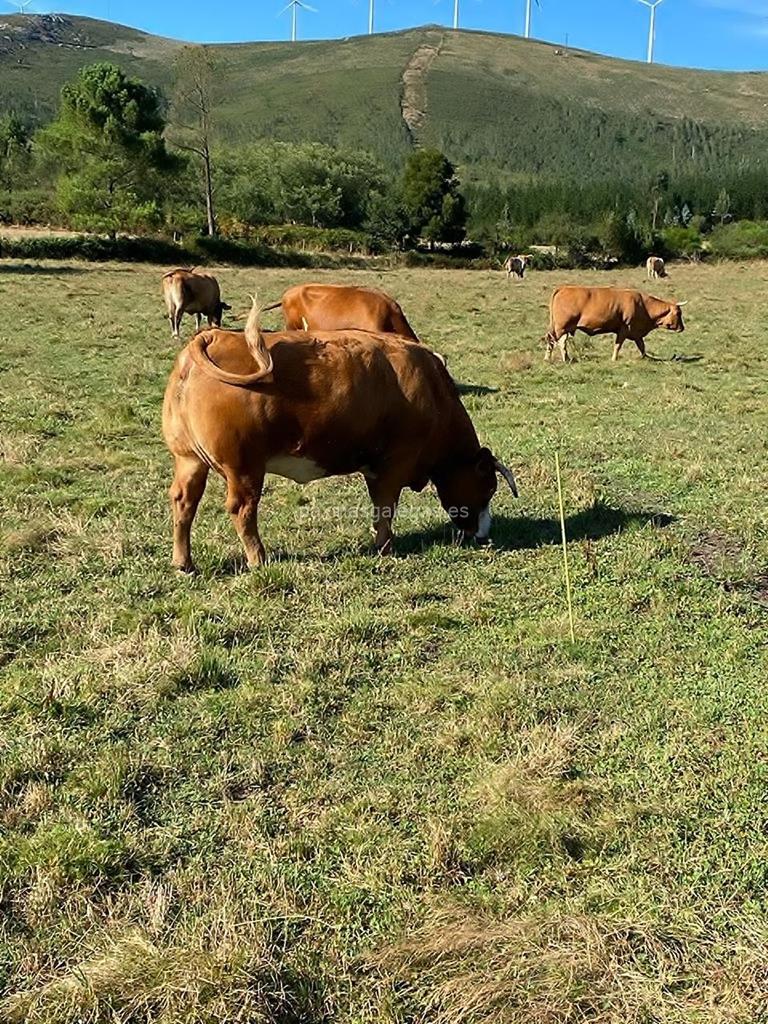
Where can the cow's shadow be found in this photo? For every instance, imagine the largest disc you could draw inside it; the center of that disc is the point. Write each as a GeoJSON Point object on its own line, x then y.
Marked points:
{"type": "Point", "coordinates": [508, 533]}
{"type": "Point", "coordinates": [693, 358]}
{"type": "Point", "coordinates": [475, 389]}
{"type": "Point", "coordinates": [521, 533]}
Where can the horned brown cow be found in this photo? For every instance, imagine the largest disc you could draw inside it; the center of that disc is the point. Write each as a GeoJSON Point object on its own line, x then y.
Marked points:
{"type": "Point", "coordinates": [621, 311]}
{"type": "Point", "coordinates": [339, 402]}
{"type": "Point", "coordinates": [341, 307]}
{"type": "Point", "coordinates": [191, 291]}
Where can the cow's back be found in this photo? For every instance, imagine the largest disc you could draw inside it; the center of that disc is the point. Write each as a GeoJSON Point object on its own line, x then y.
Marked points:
{"type": "Point", "coordinates": [343, 308]}
{"type": "Point", "coordinates": [191, 291]}
{"type": "Point", "coordinates": [336, 394]}
{"type": "Point", "coordinates": [597, 306]}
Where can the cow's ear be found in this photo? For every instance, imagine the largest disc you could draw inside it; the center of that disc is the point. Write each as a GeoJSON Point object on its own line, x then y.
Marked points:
{"type": "Point", "coordinates": [225, 305]}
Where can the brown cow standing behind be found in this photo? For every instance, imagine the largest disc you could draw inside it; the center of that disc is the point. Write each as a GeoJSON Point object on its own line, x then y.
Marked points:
{"type": "Point", "coordinates": [627, 313]}
{"type": "Point", "coordinates": [190, 291]}
{"type": "Point", "coordinates": [341, 307]}
{"type": "Point", "coordinates": [308, 407]}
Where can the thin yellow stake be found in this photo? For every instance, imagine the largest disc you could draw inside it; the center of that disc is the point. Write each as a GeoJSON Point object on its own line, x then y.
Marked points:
{"type": "Point", "coordinates": [565, 546]}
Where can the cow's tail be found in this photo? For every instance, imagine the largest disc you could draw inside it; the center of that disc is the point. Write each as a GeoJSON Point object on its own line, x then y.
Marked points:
{"type": "Point", "coordinates": [198, 350]}
{"type": "Point", "coordinates": [272, 305]}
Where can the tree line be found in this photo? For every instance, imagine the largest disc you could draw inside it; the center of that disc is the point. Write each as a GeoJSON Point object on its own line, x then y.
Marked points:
{"type": "Point", "coordinates": [119, 157]}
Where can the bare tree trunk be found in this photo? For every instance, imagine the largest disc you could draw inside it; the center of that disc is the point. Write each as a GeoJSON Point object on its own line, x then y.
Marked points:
{"type": "Point", "coordinates": [209, 207]}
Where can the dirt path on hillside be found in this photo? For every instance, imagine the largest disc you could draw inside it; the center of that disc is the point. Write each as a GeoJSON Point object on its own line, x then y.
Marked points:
{"type": "Point", "coordinates": [413, 101]}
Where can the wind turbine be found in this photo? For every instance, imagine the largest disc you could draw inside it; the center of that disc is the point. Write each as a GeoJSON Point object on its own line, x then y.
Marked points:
{"type": "Point", "coordinates": [528, 5]}
{"type": "Point", "coordinates": [652, 29]}
{"type": "Point", "coordinates": [22, 5]}
{"type": "Point", "coordinates": [293, 5]}
{"type": "Point", "coordinates": [370, 17]}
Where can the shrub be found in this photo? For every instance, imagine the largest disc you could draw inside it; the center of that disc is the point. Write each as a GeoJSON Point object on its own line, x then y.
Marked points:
{"type": "Point", "coordinates": [682, 243]}
{"type": "Point", "coordinates": [742, 240]}
{"type": "Point", "coordinates": [27, 206]}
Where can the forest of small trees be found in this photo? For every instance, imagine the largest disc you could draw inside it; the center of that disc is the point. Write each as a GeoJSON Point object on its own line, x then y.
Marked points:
{"type": "Point", "coordinates": [119, 158]}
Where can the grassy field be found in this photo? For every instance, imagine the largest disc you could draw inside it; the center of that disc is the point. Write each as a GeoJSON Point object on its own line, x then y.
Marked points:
{"type": "Point", "coordinates": [352, 789]}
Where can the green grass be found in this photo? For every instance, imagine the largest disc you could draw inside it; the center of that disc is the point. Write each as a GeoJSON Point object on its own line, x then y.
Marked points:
{"type": "Point", "coordinates": [499, 106]}
{"type": "Point", "coordinates": [352, 789]}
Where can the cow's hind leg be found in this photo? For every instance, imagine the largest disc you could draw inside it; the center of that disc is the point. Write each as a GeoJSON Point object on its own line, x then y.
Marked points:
{"type": "Point", "coordinates": [564, 347]}
{"type": "Point", "coordinates": [243, 496]}
{"type": "Point", "coordinates": [177, 322]}
{"type": "Point", "coordinates": [185, 493]}
{"type": "Point", "coordinates": [620, 339]}
{"type": "Point", "coordinates": [174, 319]}
{"type": "Point", "coordinates": [385, 494]}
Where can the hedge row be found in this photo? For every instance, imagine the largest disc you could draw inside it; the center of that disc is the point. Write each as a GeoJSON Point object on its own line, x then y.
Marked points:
{"type": "Point", "coordinates": [739, 241]}
{"type": "Point", "coordinates": [157, 250]}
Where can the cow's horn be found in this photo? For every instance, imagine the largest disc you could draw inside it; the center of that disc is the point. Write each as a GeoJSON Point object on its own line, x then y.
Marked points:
{"type": "Point", "coordinates": [684, 303]}
{"type": "Point", "coordinates": [508, 475]}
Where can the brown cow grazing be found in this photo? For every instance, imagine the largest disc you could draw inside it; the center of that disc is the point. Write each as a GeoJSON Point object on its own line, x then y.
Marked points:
{"type": "Point", "coordinates": [339, 402]}
{"type": "Point", "coordinates": [620, 311]}
{"type": "Point", "coordinates": [341, 307]}
{"type": "Point", "coordinates": [654, 267]}
{"type": "Point", "coordinates": [190, 291]}
{"type": "Point", "coordinates": [517, 265]}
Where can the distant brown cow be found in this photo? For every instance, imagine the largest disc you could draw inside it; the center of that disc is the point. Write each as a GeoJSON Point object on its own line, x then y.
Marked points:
{"type": "Point", "coordinates": [624, 312]}
{"type": "Point", "coordinates": [654, 267]}
{"type": "Point", "coordinates": [190, 291]}
{"type": "Point", "coordinates": [311, 406]}
{"type": "Point", "coordinates": [341, 307]}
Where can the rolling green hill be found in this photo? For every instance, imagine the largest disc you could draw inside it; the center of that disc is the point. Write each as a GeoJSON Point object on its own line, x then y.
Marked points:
{"type": "Point", "coordinates": [499, 106]}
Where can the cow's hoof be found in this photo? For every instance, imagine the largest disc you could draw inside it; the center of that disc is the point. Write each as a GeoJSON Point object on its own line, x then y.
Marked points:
{"type": "Point", "coordinates": [187, 568]}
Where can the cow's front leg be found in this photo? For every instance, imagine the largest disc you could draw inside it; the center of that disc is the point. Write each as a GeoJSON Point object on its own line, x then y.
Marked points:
{"type": "Point", "coordinates": [186, 491]}
{"type": "Point", "coordinates": [617, 346]}
{"type": "Point", "coordinates": [640, 346]}
{"type": "Point", "coordinates": [385, 494]}
{"type": "Point", "coordinates": [243, 496]}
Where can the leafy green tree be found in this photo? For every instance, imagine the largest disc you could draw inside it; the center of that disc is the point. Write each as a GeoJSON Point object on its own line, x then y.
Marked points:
{"type": "Point", "coordinates": [301, 183]}
{"type": "Point", "coordinates": [14, 151]}
{"type": "Point", "coordinates": [432, 199]}
{"type": "Point", "coordinates": [387, 221]}
{"type": "Point", "coordinates": [109, 152]}
{"type": "Point", "coordinates": [626, 238]}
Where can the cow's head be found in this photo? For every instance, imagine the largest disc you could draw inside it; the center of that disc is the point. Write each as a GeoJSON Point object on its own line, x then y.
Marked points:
{"type": "Point", "coordinates": [672, 320]}
{"type": "Point", "coordinates": [465, 490]}
{"type": "Point", "coordinates": [220, 307]}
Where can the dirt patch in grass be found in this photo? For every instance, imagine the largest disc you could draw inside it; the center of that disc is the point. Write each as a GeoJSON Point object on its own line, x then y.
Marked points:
{"type": "Point", "coordinates": [723, 558]}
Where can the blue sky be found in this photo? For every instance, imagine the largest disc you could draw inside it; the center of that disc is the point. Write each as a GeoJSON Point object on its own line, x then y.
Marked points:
{"type": "Point", "coordinates": [730, 34]}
